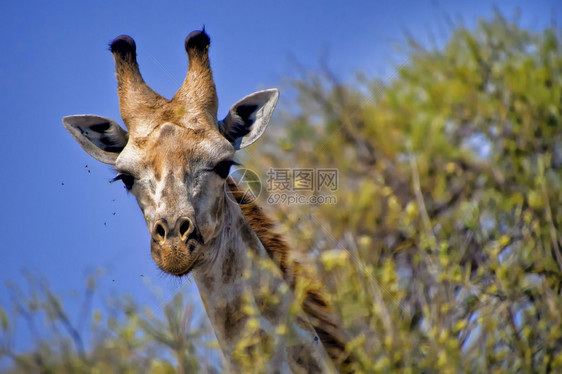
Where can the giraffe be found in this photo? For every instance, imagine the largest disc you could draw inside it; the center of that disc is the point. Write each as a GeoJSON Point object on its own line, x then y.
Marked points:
{"type": "Point", "coordinates": [175, 158]}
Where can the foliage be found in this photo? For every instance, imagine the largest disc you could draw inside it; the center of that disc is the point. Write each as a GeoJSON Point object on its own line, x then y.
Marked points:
{"type": "Point", "coordinates": [124, 338]}
{"type": "Point", "coordinates": [443, 252]}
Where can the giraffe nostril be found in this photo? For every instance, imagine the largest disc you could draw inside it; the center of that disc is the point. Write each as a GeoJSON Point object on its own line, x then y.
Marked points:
{"type": "Point", "coordinates": [160, 231]}
{"type": "Point", "coordinates": [185, 228]}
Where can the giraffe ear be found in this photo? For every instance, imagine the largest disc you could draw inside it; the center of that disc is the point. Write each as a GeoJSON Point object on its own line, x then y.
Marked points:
{"type": "Point", "coordinates": [102, 138]}
{"type": "Point", "coordinates": [247, 119]}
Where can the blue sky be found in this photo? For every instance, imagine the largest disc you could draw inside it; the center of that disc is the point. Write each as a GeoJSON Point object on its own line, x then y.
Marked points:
{"type": "Point", "coordinates": [59, 217]}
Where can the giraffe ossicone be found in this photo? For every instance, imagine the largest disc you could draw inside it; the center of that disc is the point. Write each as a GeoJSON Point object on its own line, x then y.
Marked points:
{"type": "Point", "coordinates": [175, 158]}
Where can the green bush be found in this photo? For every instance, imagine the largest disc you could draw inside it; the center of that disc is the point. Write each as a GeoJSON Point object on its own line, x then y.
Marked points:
{"type": "Point", "coordinates": [443, 252]}
{"type": "Point", "coordinates": [123, 338]}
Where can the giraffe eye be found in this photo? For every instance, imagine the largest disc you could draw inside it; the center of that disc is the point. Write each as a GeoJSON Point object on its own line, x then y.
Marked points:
{"type": "Point", "coordinates": [223, 168]}
{"type": "Point", "coordinates": [128, 180]}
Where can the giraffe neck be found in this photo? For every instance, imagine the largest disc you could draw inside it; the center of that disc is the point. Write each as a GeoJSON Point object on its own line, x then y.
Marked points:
{"type": "Point", "coordinates": [248, 303]}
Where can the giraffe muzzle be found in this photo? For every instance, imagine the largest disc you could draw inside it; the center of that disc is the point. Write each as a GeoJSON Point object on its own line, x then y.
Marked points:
{"type": "Point", "coordinates": [173, 247]}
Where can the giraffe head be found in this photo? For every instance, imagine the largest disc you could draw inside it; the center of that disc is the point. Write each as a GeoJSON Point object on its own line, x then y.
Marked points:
{"type": "Point", "coordinates": [175, 155]}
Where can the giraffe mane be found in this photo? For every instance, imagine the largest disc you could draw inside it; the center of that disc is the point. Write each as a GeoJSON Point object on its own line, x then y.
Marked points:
{"type": "Point", "coordinates": [318, 310]}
